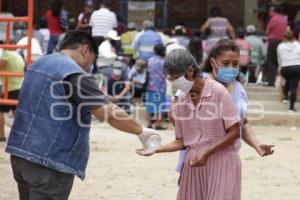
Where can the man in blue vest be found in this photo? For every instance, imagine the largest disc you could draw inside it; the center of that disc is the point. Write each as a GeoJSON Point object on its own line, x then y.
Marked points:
{"type": "Point", "coordinates": [49, 140]}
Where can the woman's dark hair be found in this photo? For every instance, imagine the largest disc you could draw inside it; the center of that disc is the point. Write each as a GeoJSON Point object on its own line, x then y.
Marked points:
{"type": "Point", "coordinates": [160, 50]}
{"type": "Point", "coordinates": [74, 39]}
{"type": "Point", "coordinates": [240, 32]}
{"type": "Point", "coordinates": [215, 12]}
{"type": "Point", "coordinates": [72, 24]}
{"type": "Point", "coordinates": [56, 7]}
{"type": "Point", "coordinates": [178, 61]}
{"type": "Point", "coordinates": [43, 23]}
{"type": "Point", "coordinates": [221, 47]}
{"type": "Point", "coordinates": [195, 47]}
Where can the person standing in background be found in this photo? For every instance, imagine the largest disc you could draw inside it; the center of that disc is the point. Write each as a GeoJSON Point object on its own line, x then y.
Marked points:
{"type": "Point", "coordinates": [156, 88]}
{"type": "Point", "coordinates": [245, 50]}
{"type": "Point", "coordinates": [107, 53]}
{"type": "Point", "coordinates": [275, 29]}
{"type": "Point", "coordinates": [46, 35]}
{"type": "Point", "coordinates": [3, 27]}
{"type": "Point", "coordinates": [180, 35]}
{"type": "Point", "coordinates": [53, 22]}
{"type": "Point", "coordinates": [102, 21]}
{"type": "Point", "coordinates": [289, 62]}
{"type": "Point", "coordinates": [258, 54]}
{"type": "Point", "coordinates": [127, 39]}
{"type": "Point", "coordinates": [146, 41]}
{"type": "Point", "coordinates": [83, 23]}
{"type": "Point", "coordinates": [217, 27]}
{"type": "Point", "coordinates": [10, 61]}
{"type": "Point", "coordinates": [196, 49]}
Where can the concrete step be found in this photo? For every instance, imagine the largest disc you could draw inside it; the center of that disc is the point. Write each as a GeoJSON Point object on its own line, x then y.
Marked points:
{"type": "Point", "coordinates": [264, 96]}
{"type": "Point", "coordinates": [274, 118]}
{"type": "Point", "coordinates": [270, 106]}
{"type": "Point", "coordinates": [259, 88]}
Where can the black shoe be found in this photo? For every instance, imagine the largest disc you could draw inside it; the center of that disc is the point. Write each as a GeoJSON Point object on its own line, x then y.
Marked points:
{"type": "Point", "coordinates": [160, 128]}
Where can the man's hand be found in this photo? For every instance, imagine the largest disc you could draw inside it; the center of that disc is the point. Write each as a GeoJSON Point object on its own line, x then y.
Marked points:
{"type": "Point", "coordinates": [201, 159]}
{"type": "Point", "coordinates": [264, 149]}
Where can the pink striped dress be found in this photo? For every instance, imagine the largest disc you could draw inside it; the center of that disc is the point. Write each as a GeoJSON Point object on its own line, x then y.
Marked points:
{"type": "Point", "coordinates": [199, 128]}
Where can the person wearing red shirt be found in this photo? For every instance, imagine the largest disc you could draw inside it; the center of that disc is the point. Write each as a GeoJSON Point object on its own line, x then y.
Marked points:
{"type": "Point", "coordinates": [53, 22]}
{"type": "Point", "coordinates": [276, 29]}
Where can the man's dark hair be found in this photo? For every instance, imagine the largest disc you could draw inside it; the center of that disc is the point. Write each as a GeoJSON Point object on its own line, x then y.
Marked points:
{"type": "Point", "coordinates": [160, 50]}
{"type": "Point", "coordinates": [215, 12]}
{"type": "Point", "coordinates": [74, 39]}
{"type": "Point", "coordinates": [105, 3]}
{"type": "Point", "coordinates": [240, 32]}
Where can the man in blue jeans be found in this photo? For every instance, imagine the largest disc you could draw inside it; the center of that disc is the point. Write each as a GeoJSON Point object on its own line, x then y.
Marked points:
{"type": "Point", "coordinates": [48, 141]}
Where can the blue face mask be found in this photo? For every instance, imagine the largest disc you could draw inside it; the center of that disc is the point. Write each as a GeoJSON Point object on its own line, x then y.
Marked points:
{"type": "Point", "coordinates": [227, 74]}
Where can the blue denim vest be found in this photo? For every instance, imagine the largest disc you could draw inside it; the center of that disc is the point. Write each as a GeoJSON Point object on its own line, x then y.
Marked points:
{"type": "Point", "coordinates": [46, 129]}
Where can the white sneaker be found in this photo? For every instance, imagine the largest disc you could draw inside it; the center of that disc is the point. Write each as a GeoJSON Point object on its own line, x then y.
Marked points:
{"type": "Point", "coordinates": [285, 101]}
{"type": "Point", "coordinates": [292, 111]}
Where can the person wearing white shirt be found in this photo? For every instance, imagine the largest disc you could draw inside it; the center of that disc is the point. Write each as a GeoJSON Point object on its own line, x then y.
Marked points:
{"type": "Point", "coordinates": [289, 61]}
{"type": "Point", "coordinates": [107, 52]}
{"type": "Point", "coordinates": [138, 77]}
{"type": "Point", "coordinates": [46, 35]}
{"type": "Point", "coordinates": [102, 21]}
{"type": "Point", "coordinates": [36, 50]}
{"type": "Point", "coordinates": [3, 27]}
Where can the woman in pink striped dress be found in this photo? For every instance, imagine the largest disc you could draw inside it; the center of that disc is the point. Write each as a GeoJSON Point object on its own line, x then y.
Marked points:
{"type": "Point", "coordinates": [207, 125]}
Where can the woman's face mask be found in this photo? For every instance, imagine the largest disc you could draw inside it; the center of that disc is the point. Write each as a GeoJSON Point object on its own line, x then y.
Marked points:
{"type": "Point", "coordinates": [226, 74]}
{"type": "Point", "coordinates": [183, 84]}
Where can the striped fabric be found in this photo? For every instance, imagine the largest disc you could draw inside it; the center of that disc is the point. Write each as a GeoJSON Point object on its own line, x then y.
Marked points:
{"type": "Point", "coordinates": [199, 128]}
{"type": "Point", "coordinates": [102, 21]}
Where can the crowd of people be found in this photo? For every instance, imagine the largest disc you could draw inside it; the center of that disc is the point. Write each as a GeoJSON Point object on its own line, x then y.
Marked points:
{"type": "Point", "coordinates": [131, 58]}
{"type": "Point", "coordinates": [178, 75]}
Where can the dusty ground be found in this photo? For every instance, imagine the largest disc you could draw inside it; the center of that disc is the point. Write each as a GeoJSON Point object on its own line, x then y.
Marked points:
{"type": "Point", "coordinates": [115, 172]}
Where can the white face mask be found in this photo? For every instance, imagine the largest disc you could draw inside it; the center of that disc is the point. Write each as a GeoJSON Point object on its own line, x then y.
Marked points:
{"type": "Point", "coordinates": [183, 84]}
{"type": "Point", "coordinates": [117, 72]}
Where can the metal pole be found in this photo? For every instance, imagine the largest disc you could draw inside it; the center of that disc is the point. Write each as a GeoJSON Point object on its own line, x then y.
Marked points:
{"type": "Point", "coordinates": [30, 29]}
{"type": "Point", "coordinates": [165, 17]}
{"type": "Point", "coordinates": [123, 9]}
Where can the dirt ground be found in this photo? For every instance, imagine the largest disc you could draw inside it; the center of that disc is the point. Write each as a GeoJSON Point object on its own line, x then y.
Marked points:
{"type": "Point", "coordinates": [115, 172]}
